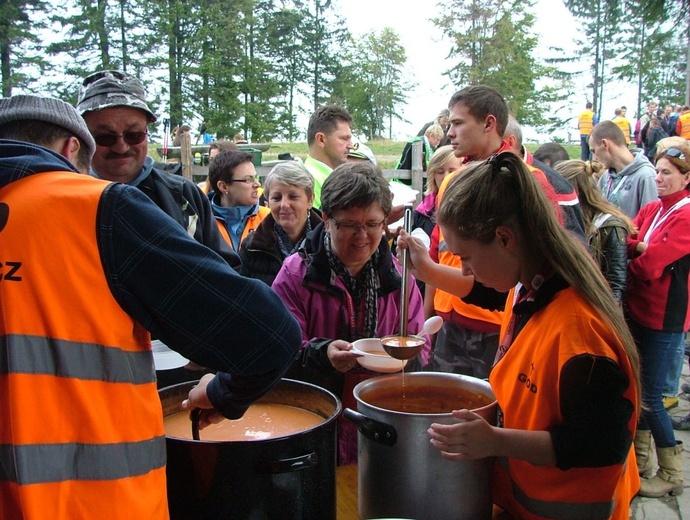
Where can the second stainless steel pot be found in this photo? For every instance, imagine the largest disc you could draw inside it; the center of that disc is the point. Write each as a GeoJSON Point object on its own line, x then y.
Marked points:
{"type": "Point", "coordinates": [400, 473]}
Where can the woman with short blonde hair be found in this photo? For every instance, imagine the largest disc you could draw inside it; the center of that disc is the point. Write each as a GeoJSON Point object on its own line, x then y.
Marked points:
{"type": "Point", "coordinates": [289, 192]}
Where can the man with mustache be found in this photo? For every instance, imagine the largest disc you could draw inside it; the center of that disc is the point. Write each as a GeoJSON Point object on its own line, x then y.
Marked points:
{"type": "Point", "coordinates": [113, 104]}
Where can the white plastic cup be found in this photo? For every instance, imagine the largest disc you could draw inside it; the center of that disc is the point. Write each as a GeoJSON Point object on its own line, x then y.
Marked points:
{"type": "Point", "coordinates": [421, 235]}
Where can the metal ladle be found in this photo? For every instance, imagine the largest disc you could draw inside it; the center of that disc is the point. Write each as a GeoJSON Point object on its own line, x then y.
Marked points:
{"type": "Point", "coordinates": [403, 346]}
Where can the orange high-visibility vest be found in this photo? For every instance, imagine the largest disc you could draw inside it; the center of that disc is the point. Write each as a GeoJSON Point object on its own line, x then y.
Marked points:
{"type": "Point", "coordinates": [683, 125]}
{"type": "Point", "coordinates": [624, 125]}
{"type": "Point", "coordinates": [526, 384]}
{"type": "Point", "coordinates": [81, 433]}
{"type": "Point", "coordinates": [586, 122]}
{"type": "Point", "coordinates": [252, 223]}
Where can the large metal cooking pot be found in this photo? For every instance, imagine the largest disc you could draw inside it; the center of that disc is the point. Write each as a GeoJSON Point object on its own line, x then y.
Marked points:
{"type": "Point", "coordinates": [291, 477]}
{"type": "Point", "coordinates": [400, 473]}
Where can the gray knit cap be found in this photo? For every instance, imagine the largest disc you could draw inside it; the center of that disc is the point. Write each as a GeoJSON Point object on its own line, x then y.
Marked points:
{"type": "Point", "coordinates": [112, 88]}
{"type": "Point", "coordinates": [49, 110]}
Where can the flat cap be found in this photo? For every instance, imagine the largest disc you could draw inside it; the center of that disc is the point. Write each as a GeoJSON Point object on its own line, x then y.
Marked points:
{"type": "Point", "coordinates": [50, 110]}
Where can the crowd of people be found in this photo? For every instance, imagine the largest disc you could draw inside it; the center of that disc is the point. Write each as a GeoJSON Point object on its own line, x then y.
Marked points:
{"type": "Point", "coordinates": [564, 282]}
{"type": "Point", "coordinates": [653, 125]}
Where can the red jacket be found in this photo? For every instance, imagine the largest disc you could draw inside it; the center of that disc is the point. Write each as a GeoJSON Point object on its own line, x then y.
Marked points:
{"type": "Point", "coordinates": [657, 293]}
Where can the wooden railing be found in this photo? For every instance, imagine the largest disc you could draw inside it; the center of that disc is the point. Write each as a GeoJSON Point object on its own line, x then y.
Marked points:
{"type": "Point", "coordinates": [416, 175]}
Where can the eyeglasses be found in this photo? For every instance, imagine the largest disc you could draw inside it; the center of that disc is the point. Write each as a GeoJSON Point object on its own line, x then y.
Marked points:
{"type": "Point", "coordinates": [131, 138]}
{"type": "Point", "coordinates": [676, 153]}
{"type": "Point", "coordinates": [253, 179]}
{"type": "Point", "coordinates": [351, 227]}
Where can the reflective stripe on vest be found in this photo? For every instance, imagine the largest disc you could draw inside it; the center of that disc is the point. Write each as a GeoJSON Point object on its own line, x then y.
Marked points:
{"type": "Point", "coordinates": [39, 355]}
{"type": "Point", "coordinates": [82, 421]}
{"type": "Point", "coordinates": [41, 463]}
{"type": "Point", "coordinates": [559, 510]}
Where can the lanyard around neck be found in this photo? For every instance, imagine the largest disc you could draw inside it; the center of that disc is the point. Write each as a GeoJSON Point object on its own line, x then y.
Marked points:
{"type": "Point", "coordinates": [660, 219]}
{"type": "Point", "coordinates": [610, 194]}
{"type": "Point", "coordinates": [519, 297]}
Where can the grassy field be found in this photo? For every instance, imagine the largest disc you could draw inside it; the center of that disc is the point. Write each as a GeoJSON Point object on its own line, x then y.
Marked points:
{"type": "Point", "coordinates": [387, 152]}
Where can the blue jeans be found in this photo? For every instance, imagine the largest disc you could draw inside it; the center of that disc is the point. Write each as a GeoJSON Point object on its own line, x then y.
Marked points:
{"type": "Point", "coordinates": [673, 378]}
{"type": "Point", "coordinates": [657, 351]}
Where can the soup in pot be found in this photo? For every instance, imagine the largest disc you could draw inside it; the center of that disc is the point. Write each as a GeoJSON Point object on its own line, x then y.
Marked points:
{"type": "Point", "coordinates": [259, 422]}
{"type": "Point", "coordinates": [425, 399]}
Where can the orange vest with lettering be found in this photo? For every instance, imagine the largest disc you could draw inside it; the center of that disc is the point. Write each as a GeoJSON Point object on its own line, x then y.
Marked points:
{"type": "Point", "coordinates": [586, 122]}
{"type": "Point", "coordinates": [252, 223]}
{"type": "Point", "coordinates": [624, 125]}
{"type": "Point", "coordinates": [526, 384]}
{"type": "Point", "coordinates": [82, 429]}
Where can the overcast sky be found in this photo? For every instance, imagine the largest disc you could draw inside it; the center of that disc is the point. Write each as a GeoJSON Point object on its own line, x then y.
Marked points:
{"type": "Point", "coordinates": [555, 27]}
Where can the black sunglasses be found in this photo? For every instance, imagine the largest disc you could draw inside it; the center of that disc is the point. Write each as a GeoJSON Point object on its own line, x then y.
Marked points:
{"type": "Point", "coordinates": [676, 153]}
{"type": "Point", "coordinates": [131, 138]}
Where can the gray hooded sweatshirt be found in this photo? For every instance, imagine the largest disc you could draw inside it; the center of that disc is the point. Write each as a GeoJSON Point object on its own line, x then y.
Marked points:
{"type": "Point", "coordinates": [632, 187]}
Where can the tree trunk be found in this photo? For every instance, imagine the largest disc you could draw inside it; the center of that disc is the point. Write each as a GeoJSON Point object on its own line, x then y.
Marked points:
{"type": "Point", "coordinates": [102, 31]}
{"type": "Point", "coordinates": [639, 69]}
{"type": "Point", "coordinates": [123, 36]}
{"type": "Point", "coordinates": [6, 70]}
{"type": "Point", "coordinates": [174, 58]}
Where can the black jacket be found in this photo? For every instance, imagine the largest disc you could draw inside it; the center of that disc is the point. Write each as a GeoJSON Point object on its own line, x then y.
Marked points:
{"type": "Point", "coordinates": [181, 292]}
{"type": "Point", "coordinates": [609, 248]}
{"type": "Point", "coordinates": [260, 255]}
{"type": "Point", "coordinates": [655, 135]}
{"type": "Point", "coordinates": [188, 206]}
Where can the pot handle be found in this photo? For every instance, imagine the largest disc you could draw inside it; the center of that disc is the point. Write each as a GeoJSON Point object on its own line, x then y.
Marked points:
{"type": "Point", "coordinates": [288, 465]}
{"type": "Point", "coordinates": [377, 431]}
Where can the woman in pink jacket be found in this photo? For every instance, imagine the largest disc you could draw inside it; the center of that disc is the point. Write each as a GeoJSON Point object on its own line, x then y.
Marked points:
{"type": "Point", "coordinates": [343, 285]}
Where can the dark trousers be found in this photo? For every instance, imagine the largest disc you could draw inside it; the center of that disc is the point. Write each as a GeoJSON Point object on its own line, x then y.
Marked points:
{"type": "Point", "coordinates": [584, 144]}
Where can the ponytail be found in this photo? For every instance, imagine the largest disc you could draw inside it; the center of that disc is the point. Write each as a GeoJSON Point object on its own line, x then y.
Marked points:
{"type": "Point", "coordinates": [502, 192]}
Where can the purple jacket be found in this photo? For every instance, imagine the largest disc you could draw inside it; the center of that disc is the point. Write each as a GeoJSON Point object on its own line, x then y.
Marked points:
{"type": "Point", "coordinates": [316, 298]}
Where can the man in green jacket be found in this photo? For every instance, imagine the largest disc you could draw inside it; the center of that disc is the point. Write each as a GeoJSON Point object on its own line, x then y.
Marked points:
{"type": "Point", "coordinates": [329, 139]}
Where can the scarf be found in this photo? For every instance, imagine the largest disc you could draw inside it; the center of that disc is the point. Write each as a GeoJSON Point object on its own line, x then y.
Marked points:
{"type": "Point", "coordinates": [234, 218]}
{"type": "Point", "coordinates": [363, 291]}
{"type": "Point", "coordinates": [284, 244]}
